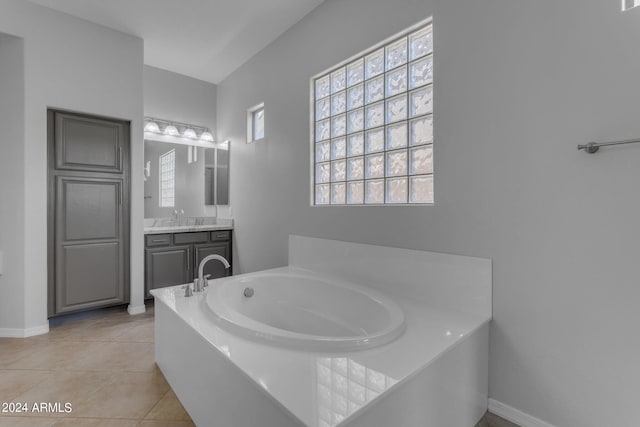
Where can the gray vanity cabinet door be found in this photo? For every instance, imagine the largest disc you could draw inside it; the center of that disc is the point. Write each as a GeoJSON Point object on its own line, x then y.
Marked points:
{"type": "Point", "coordinates": [89, 252]}
{"type": "Point", "coordinates": [167, 266]}
{"type": "Point", "coordinates": [214, 268]}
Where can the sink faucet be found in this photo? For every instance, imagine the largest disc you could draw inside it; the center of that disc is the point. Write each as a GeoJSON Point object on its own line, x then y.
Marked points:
{"type": "Point", "coordinates": [202, 280]}
{"type": "Point", "coordinates": [178, 216]}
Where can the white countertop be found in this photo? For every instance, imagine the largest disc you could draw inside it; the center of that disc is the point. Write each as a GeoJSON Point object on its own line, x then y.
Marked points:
{"type": "Point", "coordinates": [167, 226]}
{"type": "Point", "coordinates": [298, 384]}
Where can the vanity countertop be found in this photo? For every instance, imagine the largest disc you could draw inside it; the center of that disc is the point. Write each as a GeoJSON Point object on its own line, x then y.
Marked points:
{"type": "Point", "coordinates": [169, 226]}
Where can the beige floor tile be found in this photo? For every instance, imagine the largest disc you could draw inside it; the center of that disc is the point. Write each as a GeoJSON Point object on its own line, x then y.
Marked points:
{"type": "Point", "coordinates": [153, 423]}
{"type": "Point", "coordinates": [117, 356]}
{"type": "Point", "coordinates": [168, 408]}
{"type": "Point", "coordinates": [140, 332]}
{"type": "Point", "coordinates": [69, 331]}
{"type": "Point", "coordinates": [105, 328]}
{"type": "Point", "coordinates": [26, 422]}
{"type": "Point", "coordinates": [13, 383]}
{"type": "Point", "coordinates": [94, 422]}
{"type": "Point", "coordinates": [65, 387]}
{"type": "Point", "coordinates": [15, 349]}
{"type": "Point", "coordinates": [95, 331]}
{"type": "Point", "coordinates": [103, 366]}
{"type": "Point", "coordinates": [492, 420]}
{"type": "Point", "coordinates": [127, 395]}
{"type": "Point", "coordinates": [50, 355]}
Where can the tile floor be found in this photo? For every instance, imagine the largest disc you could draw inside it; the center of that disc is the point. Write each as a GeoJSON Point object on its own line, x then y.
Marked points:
{"type": "Point", "coordinates": [104, 367]}
{"type": "Point", "coordinates": [491, 420]}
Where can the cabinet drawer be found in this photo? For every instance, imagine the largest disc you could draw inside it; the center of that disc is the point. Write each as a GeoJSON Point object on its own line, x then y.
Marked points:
{"type": "Point", "coordinates": [181, 238]}
{"type": "Point", "coordinates": [158, 239]}
{"type": "Point", "coordinates": [217, 236]}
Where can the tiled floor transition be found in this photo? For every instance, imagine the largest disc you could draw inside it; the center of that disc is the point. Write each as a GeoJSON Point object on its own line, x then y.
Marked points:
{"type": "Point", "coordinates": [95, 372]}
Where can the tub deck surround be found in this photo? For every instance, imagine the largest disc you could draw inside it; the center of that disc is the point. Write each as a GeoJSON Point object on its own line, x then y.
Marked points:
{"type": "Point", "coordinates": [433, 375]}
{"type": "Point", "coordinates": [186, 225]}
{"type": "Point", "coordinates": [309, 385]}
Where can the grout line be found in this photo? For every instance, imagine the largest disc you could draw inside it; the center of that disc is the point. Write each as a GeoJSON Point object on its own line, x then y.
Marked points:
{"type": "Point", "coordinates": [156, 404]}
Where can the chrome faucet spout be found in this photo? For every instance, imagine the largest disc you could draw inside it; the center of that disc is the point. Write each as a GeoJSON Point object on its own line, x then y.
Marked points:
{"type": "Point", "coordinates": [209, 258]}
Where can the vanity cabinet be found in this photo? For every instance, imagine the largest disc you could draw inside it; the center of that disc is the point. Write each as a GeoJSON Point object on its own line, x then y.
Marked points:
{"type": "Point", "coordinates": [173, 258]}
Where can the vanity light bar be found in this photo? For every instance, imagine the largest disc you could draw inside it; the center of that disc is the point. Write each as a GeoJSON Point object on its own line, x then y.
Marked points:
{"type": "Point", "coordinates": [177, 129]}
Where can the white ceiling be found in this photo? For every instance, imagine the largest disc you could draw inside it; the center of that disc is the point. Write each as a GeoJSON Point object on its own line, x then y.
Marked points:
{"type": "Point", "coordinates": [205, 39]}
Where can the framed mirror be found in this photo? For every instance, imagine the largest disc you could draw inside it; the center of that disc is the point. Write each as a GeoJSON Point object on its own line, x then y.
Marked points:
{"type": "Point", "coordinates": [184, 177]}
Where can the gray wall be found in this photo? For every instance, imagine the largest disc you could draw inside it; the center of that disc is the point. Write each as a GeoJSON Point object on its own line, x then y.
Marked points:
{"type": "Point", "coordinates": [74, 65]}
{"type": "Point", "coordinates": [11, 181]}
{"type": "Point", "coordinates": [517, 86]}
{"type": "Point", "coordinates": [179, 98]}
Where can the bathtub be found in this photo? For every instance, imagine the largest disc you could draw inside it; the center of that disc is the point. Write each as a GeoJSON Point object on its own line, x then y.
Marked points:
{"type": "Point", "coordinates": [306, 311]}
{"type": "Point", "coordinates": [335, 339]}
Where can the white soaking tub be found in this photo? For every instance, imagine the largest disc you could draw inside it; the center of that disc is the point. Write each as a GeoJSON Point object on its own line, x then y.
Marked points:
{"type": "Point", "coordinates": [306, 311]}
{"type": "Point", "coordinates": [347, 335]}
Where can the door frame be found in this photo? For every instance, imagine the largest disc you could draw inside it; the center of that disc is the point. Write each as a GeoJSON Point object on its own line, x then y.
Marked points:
{"type": "Point", "coordinates": [51, 198]}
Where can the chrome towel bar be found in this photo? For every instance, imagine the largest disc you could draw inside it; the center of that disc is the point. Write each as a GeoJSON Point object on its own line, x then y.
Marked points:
{"type": "Point", "coordinates": [593, 147]}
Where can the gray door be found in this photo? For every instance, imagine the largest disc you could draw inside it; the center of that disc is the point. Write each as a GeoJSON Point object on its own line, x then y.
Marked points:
{"type": "Point", "coordinates": [88, 213]}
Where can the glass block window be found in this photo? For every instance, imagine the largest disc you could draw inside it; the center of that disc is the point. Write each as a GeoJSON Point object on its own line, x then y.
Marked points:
{"type": "Point", "coordinates": [373, 125]}
{"type": "Point", "coordinates": [168, 179]}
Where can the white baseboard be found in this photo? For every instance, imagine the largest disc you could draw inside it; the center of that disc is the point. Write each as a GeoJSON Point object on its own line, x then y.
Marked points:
{"type": "Point", "coordinates": [24, 333]}
{"type": "Point", "coordinates": [138, 309]}
{"type": "Point", "coordinates": [514, 415]}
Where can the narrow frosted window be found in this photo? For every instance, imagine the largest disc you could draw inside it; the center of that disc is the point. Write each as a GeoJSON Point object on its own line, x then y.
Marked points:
{"type": "Point", "coordinates": [167, 179]}
{"type": "Point", "coordinates": [630, 4]}
{"type": "Point", "coordinates": [372, 125]}
{"type": "Point", "coordinates": [255, 123]}
{"type": "Point", "coordinates": [258, 124]}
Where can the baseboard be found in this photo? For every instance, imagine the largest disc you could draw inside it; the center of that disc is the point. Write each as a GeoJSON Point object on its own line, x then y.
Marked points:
{"type": "Point", "coordinates": [138, 309]}
{"type": "Point", "coordinates": [24, 333]}
{"type": "Point", "coordinates": [514, 415]}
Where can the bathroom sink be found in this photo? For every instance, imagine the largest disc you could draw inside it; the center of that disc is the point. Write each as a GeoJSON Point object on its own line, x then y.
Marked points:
{"type": "Point", "coordinates": [184, 222]}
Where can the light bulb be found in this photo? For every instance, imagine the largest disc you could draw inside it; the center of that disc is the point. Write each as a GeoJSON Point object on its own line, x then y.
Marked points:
{"type": "Point", "coordinates": [152, 127]}
{"type": "Point", "coordinates": [206, 136]}
{"type": "Point", "coordinates": [171, 130]}
{"type": "Point", "coordinates": [189, 133]}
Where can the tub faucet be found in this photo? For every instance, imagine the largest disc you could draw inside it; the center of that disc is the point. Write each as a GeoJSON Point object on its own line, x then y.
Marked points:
{"type": "Point", "coordinates": [203, 280]}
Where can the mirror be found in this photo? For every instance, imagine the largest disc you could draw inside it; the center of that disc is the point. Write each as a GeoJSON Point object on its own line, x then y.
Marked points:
{"type": "Point", "coordinates": [184, 177]}
{"type": "Point", "coordinates": [216, 176]}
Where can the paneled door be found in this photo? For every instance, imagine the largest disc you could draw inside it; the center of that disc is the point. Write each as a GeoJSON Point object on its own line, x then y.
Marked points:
{"type": "Point", "coordinates": [88, 212]}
